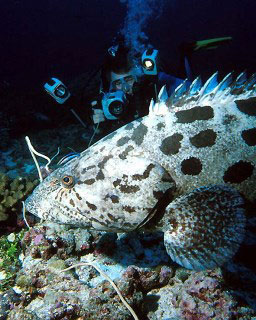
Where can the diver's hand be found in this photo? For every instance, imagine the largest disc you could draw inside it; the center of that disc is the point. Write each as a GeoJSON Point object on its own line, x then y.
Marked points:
{"type": "Point", "coordinates": [98, 116]}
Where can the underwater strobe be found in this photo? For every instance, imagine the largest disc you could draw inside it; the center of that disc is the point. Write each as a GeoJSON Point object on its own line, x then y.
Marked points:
{"type": "Point", "coordinates": [57, 90]}
{"type": "Point", "coordinates": [60, 94]}
{"type": "Point", "coordinates": [149, 61]}
{"type": "Point", "coordinates": [114, 105]}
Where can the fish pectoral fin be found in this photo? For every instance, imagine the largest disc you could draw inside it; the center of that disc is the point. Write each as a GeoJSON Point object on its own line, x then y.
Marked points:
{"type": "Point", "coordinates": [204, 228]}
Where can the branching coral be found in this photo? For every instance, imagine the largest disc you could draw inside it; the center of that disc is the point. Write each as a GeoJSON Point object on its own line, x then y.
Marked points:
{"type": "Point", "coordinates": [12, 192]}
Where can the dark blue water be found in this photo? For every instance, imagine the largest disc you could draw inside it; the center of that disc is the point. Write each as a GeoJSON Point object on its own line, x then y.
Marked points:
{"type": "Point", "coordinates": [63, 38]}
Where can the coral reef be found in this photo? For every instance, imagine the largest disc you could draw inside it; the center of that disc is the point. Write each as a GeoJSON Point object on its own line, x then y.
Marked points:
{"type": "Point", "coordinates": [10, 250]}
{"type": "Point", "coordinates": [12, 192]}
{"type": "Point", "coordinates": [151, 284]}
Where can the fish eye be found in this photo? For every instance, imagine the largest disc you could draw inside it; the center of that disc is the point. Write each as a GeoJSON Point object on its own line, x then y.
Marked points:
{"type": "Point", "coordinates": [68, 181]}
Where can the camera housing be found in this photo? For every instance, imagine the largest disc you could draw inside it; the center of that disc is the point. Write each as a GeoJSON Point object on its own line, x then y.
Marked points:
{"type": "Point", "coordinates": [57, 90]}
{"type": "Point", "coordinates": [149, 61]}
{"type": "Point", "coordinates": [114, 105]}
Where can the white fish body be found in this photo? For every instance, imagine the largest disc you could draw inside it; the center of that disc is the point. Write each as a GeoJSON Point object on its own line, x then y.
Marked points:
{"type": "Point", "coordinates": [183, 169]}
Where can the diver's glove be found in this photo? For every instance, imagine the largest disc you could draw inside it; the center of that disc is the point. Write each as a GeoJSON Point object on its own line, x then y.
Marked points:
{"type": "Point", "coordinates": [98, 116]}
{"type": "Point", "coordinates": [97, 113]}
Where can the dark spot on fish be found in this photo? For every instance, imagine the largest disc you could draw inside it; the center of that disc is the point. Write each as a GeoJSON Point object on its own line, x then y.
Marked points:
{"type": "Point", "coordinates": [79, 210]}
{"type": "Point", "coordinates": [109, 136]}
{"type": "Point", "coordinates": [145, 174]}
{"type": "Point", "coordinates": [229, 118]}
{"type": "Point", "coordinates": [101, 149]}
{"type": "Point", "coordinates": [173, 224]}
{"type": "Point", "coordinates": [158, 194]}
{"type": "Point", "coordinates": [111, 217]}
{"type": "Point", "coordinates": [129, 126]}
{"type": "Point", "coordinates": [249, 136]}
{"type": "Point", "coordinates": [89, 181]}
{"type": "Point", "coordinates": [84, 170]}
{"type": "Point", "coordinates": [90, 167]}
{"type": "Point", "coordinates": [122, 141]}
{"type": "Point", "coordinates": [196, 113]}
{"type": "Point", "coordinates": [129, 209]}
{"type": "Point", "coordinates": [78, 196]}
{"type": "Point", "coordinates": [128, 225]}
{"type": "Point", "coordinates": [117, 183]}
{"type": "Point", "coordinates": [103, 162]}
{"type": "Point", "coordinates": [100, 175]}
{"type": "Point", "coordinates": [114, 199]}
{"type": "Point", "coordinates": [60, 194]}
{"type": "Point", "coordinates": [204, 139]}
{"type": "Point", "coordinates": [238, 172]}
{"type": "Point", "coordinates": [139, 134]}
{"type": "Point", "coordinates": [91, 206]}
{"type": "Point", "coordinates": [191, 166]}
{"type": "Point", "coordinates": [124, 154]}
{"type": "Point", "coordinates": [125, 188]}
{"type": "Point", "coordinates": [247, 106]}
{"type": "Point", "coordinates": [98, 221]}
{"type": "Point", "coordinates": [72, 202]}
{"type": "Point", "coordinates": [129, 189]}
{"type": "Point", "coordinates": [171, 145]}
{"type": "Point", "coordinates": [75, 166]}
{"type": "Point", "coordinates": [167, 178]}
{"type": "Point", "coordinates": [160, 126]}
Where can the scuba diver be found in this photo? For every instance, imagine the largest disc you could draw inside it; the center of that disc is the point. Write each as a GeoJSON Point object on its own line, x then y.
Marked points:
{"type": "Point", "coordinates": [127, 84]}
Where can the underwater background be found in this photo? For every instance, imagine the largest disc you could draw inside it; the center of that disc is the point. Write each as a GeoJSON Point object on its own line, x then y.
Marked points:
{"type": "Point", "coordinates": [65, 39]}
{"type": "Point", "coordinates": [62, 39]}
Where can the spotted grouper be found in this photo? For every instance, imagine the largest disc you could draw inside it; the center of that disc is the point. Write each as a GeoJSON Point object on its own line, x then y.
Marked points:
{"type": "Point", "coordinates": [184, 169]}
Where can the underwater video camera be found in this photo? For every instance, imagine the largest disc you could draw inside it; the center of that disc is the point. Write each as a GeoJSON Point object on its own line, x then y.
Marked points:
{"type": "Point", "coordinates": [114, 105]}
{"type": "Point", "coordinates": [149, 61]}
{"type": "Point", "coordinates": [60, 93]}
{"type": "Point", "coordinates": [57, 90]}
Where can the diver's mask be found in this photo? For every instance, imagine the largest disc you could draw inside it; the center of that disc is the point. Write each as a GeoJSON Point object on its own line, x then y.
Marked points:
{"type": "Point", "coordinates": [122, 82]}
{"type": "Point", "coordinates": [57, 90]}
{"type": "Point", "coordinates": [114, 105]}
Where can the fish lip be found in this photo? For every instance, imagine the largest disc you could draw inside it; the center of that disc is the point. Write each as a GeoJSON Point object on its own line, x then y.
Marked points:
{"type": "Point", "coordinates": [30, 206]}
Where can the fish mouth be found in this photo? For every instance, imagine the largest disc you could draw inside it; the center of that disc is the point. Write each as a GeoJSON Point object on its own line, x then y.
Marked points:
{"type": "Point", "coordinates": [31, 206]}
{"type": "Point", "coordinates": [55, 213]}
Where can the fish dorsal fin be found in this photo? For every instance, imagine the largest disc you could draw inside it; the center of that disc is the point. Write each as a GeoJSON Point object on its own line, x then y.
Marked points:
{"type": "Point", "coordinates": [223, 88]}
{"type": "Point", "coordinates": [211, 91]}
{"type": "Point", "coordinates": [163, 94]}
{"type": "Point", "coordinates": [240, 80]}
{"type": "Point", "coordinates": [225, 83]}
{"type": "Point", "coordinates": [160, 108]}
{"type": "Point", "coordinates": [195, 86]}
{"type": "Point", "coordinates": [178, 92]}
{"type": "Point", "coordinates": [251, 82]}
{"type": "Point", "coordinates": [209, 85]}
{"type": "Point", "coordinates": [242, 85]}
